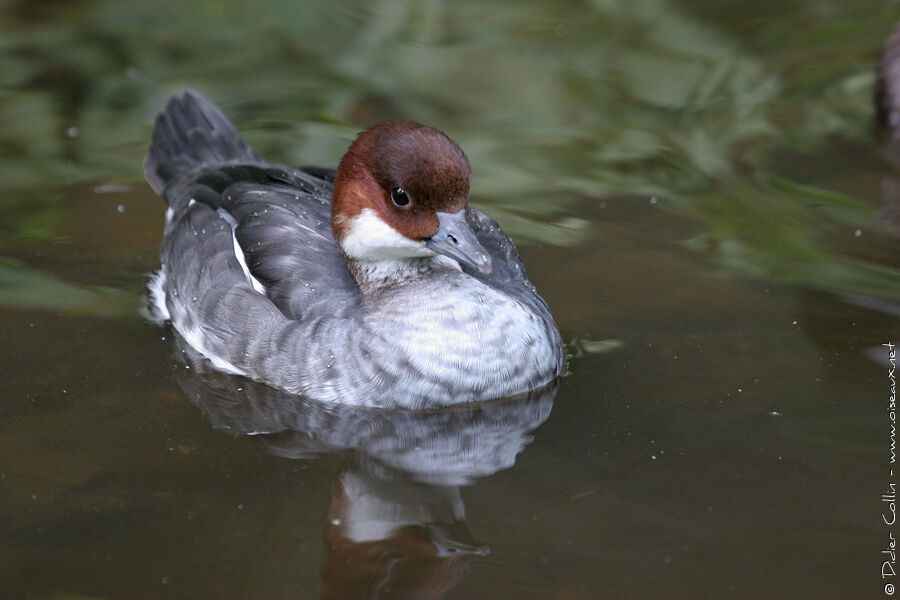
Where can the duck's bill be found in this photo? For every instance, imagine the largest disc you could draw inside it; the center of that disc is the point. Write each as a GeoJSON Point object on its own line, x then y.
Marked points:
{"type": "Point", "coordinates": [454, 238]}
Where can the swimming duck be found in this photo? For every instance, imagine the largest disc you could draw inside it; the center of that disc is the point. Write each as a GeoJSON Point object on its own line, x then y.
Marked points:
{"type": "Point", "coordinates": [375, 284]}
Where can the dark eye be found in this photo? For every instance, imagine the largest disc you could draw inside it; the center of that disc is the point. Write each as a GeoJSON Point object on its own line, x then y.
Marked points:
{"type": "Point", "coordinates": [399, 197]}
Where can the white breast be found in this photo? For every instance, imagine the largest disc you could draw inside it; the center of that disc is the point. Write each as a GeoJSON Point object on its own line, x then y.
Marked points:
{"type": "Point", "coordinates": [457, 333]}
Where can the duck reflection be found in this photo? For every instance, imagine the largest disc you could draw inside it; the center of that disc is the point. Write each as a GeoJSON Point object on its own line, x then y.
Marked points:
{"type": "Point", "coordinates": [390, 537]}
{"type": "Point", "coordinates": [395, 525]}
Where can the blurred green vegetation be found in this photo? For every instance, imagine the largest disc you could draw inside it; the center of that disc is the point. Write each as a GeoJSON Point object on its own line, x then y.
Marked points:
{"type": "Point", "coordinates": [25, 288]}
{"type": "Point", "coordinates": [556, 104]}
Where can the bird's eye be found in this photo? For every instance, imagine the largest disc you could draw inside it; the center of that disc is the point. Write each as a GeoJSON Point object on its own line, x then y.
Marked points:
{"type": "Point", "coordinates": [399, 197]}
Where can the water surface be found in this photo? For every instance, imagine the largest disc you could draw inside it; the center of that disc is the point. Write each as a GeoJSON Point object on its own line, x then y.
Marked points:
{"type": "Point", "coordinates": [697, 190]}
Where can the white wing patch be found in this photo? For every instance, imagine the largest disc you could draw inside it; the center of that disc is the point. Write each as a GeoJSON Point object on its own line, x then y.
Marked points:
{"type": "Point", "coordinates": [239, 253]}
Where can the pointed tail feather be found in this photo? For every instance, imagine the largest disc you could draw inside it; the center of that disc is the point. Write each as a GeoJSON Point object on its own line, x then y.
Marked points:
{"type": "Point", "coordinates": [189, 133]}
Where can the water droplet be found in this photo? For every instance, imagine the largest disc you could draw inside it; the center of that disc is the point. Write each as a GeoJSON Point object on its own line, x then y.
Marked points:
{"type": "Point", "coordinates": [121, 208]}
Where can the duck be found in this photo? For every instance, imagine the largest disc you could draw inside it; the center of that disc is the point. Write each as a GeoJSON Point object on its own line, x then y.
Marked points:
{"type": "Point", "coordinates": [374, 284]}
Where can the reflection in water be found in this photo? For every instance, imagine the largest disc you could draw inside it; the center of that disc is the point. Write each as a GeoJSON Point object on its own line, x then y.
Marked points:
{"type": "Point", "coordinates": [395, 526]}
{"type": "Point", "coordinates": [388, 536]}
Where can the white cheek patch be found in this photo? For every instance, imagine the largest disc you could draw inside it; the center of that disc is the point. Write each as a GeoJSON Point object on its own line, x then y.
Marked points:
{"type": "Point", "coordinates": [367, 237]}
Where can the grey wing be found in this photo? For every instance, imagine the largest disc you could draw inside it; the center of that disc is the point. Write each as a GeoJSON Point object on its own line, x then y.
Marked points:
{"type": "Point", "coordinates": [282, 222]}
{"type": "Point", "coordinates": [326, 173]}
{"type": "Point", "coordinates": [509, 275]}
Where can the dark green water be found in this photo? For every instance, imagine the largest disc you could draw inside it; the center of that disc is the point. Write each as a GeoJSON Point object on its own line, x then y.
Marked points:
{"type": "Point", "coordinates": [697, 189]}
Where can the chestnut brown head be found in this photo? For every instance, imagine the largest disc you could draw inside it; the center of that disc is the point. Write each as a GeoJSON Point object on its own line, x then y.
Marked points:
{"type": "Point", "coordinates": [391, 189]}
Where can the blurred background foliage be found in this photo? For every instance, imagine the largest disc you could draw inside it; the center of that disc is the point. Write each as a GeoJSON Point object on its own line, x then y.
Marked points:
{"type": "Point", "coordinates": [706, 106]}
